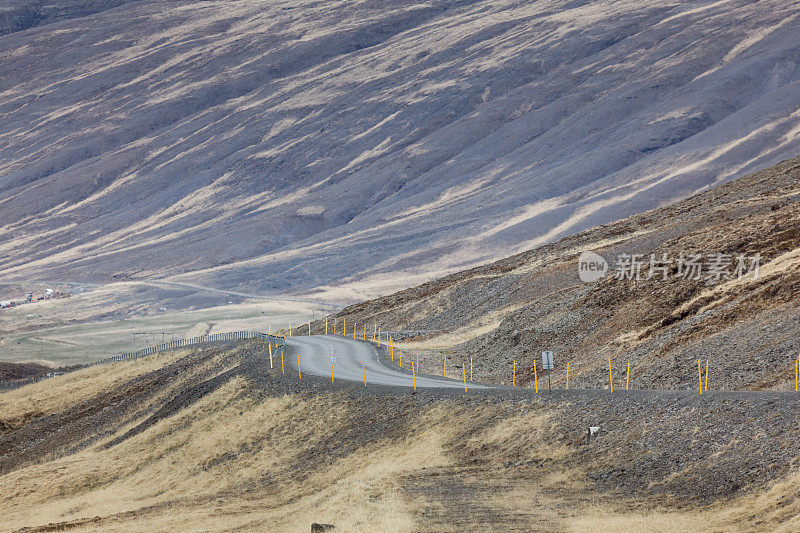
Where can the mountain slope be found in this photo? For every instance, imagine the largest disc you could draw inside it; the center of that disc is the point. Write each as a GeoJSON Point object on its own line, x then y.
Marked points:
{"type": "Point", "coordinates": [18, 15]}
{"type": "Point", "coordinates": [212, 439]}
{"type": "Point", "coordinates": [285, 146]}
{"type": "Point", "coordinates": [511, 310]}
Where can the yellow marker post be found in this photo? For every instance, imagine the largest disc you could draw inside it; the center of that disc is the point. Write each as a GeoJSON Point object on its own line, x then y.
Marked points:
{"type": "Point", "coordinates": [464, 371]}
{"type": "Point", "coordinates": [444, 374]}
{"type": "Point", "coordinates": [335, 319]}
{"type": "Point", "coordinates": [567, 376]}
{"type": "Point", "coordinates": [700, 376]}
{"type": "Point", "coordinates": [379, 337]}
{"type": "Point", "coordinates": [796, 373]}
{"type": "Point", "coordinates": [283, 371]}
{"type": "Point", "coordinates": [535, 377]}
{"type": "Point", "coordinates": [514, 375]}
{"type": "Point", "coordinates": [270, 354]}
{"type": "Point", "coordinates": [299, 374]}
{"type": "Point", "coordinates": [470, 368]}
{"type": "Point", "coordinates": [290, 329]}
{"type": "Point", "coordinates": [705, 385]}
{"type": "Point", "coordinates": [365, 332]}
{"type": "Point", "coordinates": [610, 375]}
{"type": "Point", "coordinates": [331, 369]}
{"type": "Point", "coordinates": [344, 327]}
{"type": "Point", "coordinates": [355, 326]}
{"type": "Point", "coordinates": [401, 357]}
{"type": "Point", "coordinates": [390, 347]}
{"type": "Point", "coordinates": [414, 376]}
{"type": "Point", "coordinates": [364, 369]}
{"type": "Point", "coordinates": [374, 331]}
{"type": "Point", "coordinates": [628, 376]}
{"type": "Point", "coordinates": [309, 328]}
{"type": "Point", "coordinates": [326, 325]}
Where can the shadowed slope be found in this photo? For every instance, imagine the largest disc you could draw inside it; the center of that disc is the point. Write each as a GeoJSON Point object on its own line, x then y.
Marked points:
{"type": "Point", "coordinates": [306, 142]}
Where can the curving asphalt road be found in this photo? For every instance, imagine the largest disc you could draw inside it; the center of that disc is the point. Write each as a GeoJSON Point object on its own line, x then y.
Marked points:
{"type": "Point", "coordinates": [315, 359]}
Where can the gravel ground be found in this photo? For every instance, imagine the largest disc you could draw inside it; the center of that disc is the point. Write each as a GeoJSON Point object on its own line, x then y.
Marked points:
{"type": "Point", "coordinates": [513, 309]}
{"type": "Point", "coordinates": [677, 444]}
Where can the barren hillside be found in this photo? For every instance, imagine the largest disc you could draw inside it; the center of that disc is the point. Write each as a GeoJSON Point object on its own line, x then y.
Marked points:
{"type": "Point", "coordinates": [212, 440]}
{"type": "Point", "coordinates": [352, 148]}
{"type": "Point", "coordinates": [513, 309]}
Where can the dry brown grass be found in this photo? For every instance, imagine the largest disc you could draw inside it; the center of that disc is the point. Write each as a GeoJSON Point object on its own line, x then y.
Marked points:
{"type": "Point", "coordinates": [482, 325]}
{"type": "Point", "coordinates": [202, 459]}
{"type": "Point", "coordinates": [601, 519]}
{"type": "Point", "coordinates": [239, 460]}
{"type": "Point", "coordinates": [55, 394]}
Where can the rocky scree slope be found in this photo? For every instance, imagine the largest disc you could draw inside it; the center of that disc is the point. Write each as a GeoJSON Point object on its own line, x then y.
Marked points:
{"type": "Point", "coordinates": [514, 308]}
{"type": "Point", "coordinates": [351, 149]}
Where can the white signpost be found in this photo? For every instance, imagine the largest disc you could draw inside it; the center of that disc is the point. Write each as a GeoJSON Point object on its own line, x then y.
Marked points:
{"type": "Point", "coordinates": [547, 364]}
{"type": "Point", "coordinates": [547, 360]}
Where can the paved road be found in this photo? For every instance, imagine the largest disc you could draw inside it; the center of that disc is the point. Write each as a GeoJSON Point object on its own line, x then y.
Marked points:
{"type": "Point", "coordinates": [315, 358]}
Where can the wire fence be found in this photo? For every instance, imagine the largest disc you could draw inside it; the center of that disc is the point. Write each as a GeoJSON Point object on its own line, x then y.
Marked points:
{"type": "Point", "coordinates": [164, 347]}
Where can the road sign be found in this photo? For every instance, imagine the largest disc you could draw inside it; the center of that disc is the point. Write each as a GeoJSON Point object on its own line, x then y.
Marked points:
{"type": "Point", "coordinates": [547, 360]}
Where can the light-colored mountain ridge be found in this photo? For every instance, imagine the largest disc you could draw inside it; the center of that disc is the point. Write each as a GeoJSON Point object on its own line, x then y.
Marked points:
{"type": "Point", "coordinates": [349, 149]}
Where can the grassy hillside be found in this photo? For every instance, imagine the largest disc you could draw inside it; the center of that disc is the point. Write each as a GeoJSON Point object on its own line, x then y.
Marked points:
{"type": "Point", "coordinates": [213, 440]}
{"type": "Point", "coordinates": [517, 307]}
{"type": "Point", "coordinates": [89, 327]}
{"type": "Point", "coordinates": [355, 148]}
